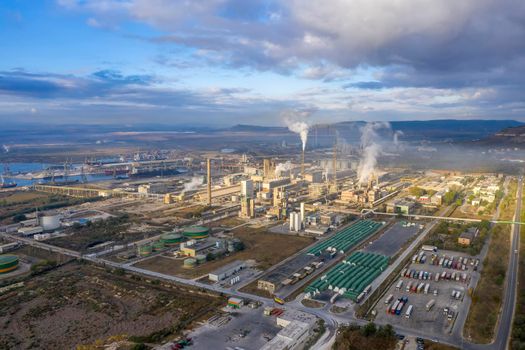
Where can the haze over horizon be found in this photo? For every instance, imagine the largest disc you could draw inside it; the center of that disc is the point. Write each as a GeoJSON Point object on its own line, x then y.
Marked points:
{"type": "Point", "coordinates": [227, 62]}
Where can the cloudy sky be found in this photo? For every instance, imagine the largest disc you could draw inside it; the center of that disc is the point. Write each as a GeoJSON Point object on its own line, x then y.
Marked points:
{"type": "Point", "coordinates": [223, 62]}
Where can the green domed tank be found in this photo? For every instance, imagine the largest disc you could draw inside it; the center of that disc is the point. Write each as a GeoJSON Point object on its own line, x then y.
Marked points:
{"type": "Point", "coordinates": [196, 232]}
{"type": "Point", "coordinates": [158, 246]}
{"type": "Point", "coordinates": [190, 263]}
{"type": "Point", "coordinates": [8, 263]}
{"type": "Point", "coordinates": [145, 250]}
{"type": "Point", "coordinates": [201, 258]}
{"type": "Point", "coordinates": [171, 238]}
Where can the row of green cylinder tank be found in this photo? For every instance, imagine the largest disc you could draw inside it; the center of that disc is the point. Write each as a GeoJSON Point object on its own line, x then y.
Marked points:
{"type": "Point", "coordinates": [351, 276]}
{"type": "Point", "coordinates": [348, 238]}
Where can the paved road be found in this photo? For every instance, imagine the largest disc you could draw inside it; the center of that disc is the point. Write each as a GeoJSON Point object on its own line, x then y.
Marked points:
{"type": "Point", "coordinates": [332, 321]}
{"type": "Point", "coordinates": [509, 301]}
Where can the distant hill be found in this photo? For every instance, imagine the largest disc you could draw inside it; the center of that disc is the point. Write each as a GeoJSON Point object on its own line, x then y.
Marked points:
{"type": "Point", "coordinates": [257, 128]}
{"type": "Point", "coordinates": [446, 130]}
{"type": "Point", "coordinates": [507, 136]}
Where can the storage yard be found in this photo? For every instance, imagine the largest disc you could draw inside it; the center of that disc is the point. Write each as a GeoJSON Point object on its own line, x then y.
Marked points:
{"type": "Point", "coordinates": [350, 278]}
{"type": "Point", "coordinates": [393, 239]}
{"type": "Point", "coordinates": [265, 248]}
{"type": "Point", "coordinates": [347, 238]}
{"type": "Point", "coordinates": [430, 292]}
{"type": "Point", "coordinates": [254, 328]}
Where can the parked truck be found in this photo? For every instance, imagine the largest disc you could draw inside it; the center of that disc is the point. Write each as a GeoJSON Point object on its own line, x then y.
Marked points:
{"type": "Point", "coordinates": [409, 311]}
{"type": "Point", "coordinates": [399, 284]}
{"type": "Point", "coordinates": [430, 304]}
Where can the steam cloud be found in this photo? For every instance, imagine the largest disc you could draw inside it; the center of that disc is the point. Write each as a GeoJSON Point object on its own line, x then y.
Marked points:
{"type": "Point", "coordinates": [371, 145]}
{"type": "Point", "coordinates": [294, 119]}
{"type": "Point", "coordinates": [283, 167]}
{"type": "Point", "coordinates": [397, 133]}
{"type": "Point", "coordinates": [194, 183]}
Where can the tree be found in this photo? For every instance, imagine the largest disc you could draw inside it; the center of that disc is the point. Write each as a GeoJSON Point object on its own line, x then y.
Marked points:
{"type": "Point", "coordinates": [417, 191]}
{"type": "Point", "coordinates": [370, 329]}
{"type": "Point", "coordinates": [19, 217]}
{"type": "Point", "coordinates": [449, 197]}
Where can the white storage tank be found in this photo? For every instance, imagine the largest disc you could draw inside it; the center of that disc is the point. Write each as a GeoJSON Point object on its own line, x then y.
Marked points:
{"type": "Point", "coordinates": [50, 221]}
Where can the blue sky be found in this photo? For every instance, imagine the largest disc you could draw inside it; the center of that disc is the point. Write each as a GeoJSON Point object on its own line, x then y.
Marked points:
{"type": "Point", "coordinates": [223, 62]}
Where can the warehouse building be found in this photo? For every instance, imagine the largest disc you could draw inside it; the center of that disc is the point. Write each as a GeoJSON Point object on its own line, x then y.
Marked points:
{"type": "Point", "coordinates": [29, 231]}
{"type": "Point", "coordinates": [227, 271]}
{"type": "Point", "coordinates": [235, 303]}
{"type": "Point", "coordinates": [194, 248]}
{"type": "Point", "coordinates": [271, 282]}
{"type": "Point", "coordinates": [293, 336]}
{"type": "Point", "coordinates": [468, 236]}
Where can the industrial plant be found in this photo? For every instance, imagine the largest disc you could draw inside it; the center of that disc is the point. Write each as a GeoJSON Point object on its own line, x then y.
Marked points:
{"type": "Point", "coordinates": [288, 241]}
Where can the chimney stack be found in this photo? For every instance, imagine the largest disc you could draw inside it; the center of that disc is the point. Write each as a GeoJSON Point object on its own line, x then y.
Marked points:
{"type": "Point", "coordinates": [208, 166]}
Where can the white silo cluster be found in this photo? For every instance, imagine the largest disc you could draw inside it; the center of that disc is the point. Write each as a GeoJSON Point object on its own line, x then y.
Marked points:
{"type": "Point", "coordinates": [297, 219]}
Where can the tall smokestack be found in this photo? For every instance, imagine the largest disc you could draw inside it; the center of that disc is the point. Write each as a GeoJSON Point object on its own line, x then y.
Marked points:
{"type": "Point", "coordinates": [302, 165]}
{"type": "Point", "coordinates": [208, 167]}
{"type": "Point", "coordinates": [335, 166]}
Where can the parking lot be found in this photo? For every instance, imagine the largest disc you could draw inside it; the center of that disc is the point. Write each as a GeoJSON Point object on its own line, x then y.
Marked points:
{"type": "Point", "coordinates": [245, 328]}
{"type": "Point", "coordinates": [440, 317]}
{"type": "Point", "coordinates": [393, 239]}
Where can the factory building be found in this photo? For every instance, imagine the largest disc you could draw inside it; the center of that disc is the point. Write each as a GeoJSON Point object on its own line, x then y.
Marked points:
{"type": "Point", "coordinates": [341, 164]}
{"type": "Point", "coordinates": [271, 283]}
{"type": "Point", "coordinates": [400, 206]}
{"type": "Point", "coordinates": [151, 188]}
{"type": "Point", "coordinates": [267, 186]}
{"type": "Point", "coordinates": [247, 189]}
{"type": "Point", "coordinates": [466, 237]}
{"type": "Point", "coordinates": [247, 208]}
{"type": "Point", "coordinates": [8, 247]}
{"type": "Point", "coordinates": [269, 168]}
{"type": "Point", "coordinates": [316, 190]}
{"type": "Point", "coordinates": [194, 248]}
{"type": "Point", "coordinates": [293, 336]}
{"type": "Point", "coordinates": [437, 198]}
{"type": "Point", "coordinates": [314, 177]}
{"type": "Point", "coordinates": [235, 303]}
{"type": "Point", "coordinates": [227, 271]}
{"type": "Point", "coordinates": [29, 231]}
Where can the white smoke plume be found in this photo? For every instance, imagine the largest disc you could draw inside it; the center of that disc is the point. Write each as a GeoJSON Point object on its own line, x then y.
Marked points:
{"type": "Point", "coordinates": [194, 183]}
{"type": "Point", "coordinates": [283, 167]}
{"type": "Point", "coordinates": [6, 148]}
{"type": "Point", "coordinates": [371, 149]}
{"type": "Point", "coordinates": [295, 121]}
{"type": "Point", "coordinates": [397, 133]}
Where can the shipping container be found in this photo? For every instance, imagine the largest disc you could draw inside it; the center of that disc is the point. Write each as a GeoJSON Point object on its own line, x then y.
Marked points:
{"type": "Point", "coordinates": [393, 308]}
{"type": "Point", "coordinates": [429, 248]}
{"type": "Point", "coordinates": [409, 311]}
{"type": "Point", "coordinates": [399, 284]}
